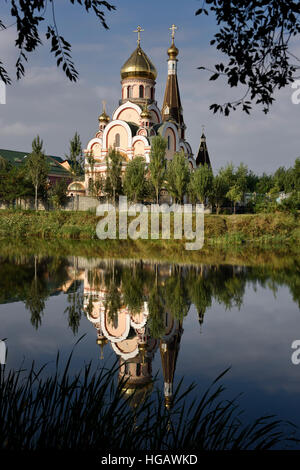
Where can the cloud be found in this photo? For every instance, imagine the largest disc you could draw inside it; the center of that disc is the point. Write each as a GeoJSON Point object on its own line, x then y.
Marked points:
{"type": "Point", "coordinates": [46, 102]}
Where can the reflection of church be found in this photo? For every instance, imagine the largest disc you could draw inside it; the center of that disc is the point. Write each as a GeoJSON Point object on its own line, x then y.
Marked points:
{"type": "Point", "coordinates": [138, 118]}
{"type": "Point", "coordinates": [129, 337]}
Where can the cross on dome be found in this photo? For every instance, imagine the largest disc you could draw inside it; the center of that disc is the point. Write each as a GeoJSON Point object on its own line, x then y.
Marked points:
{"type": "Point", "coordinates": [139, 30]}
{"type": "Point", "coordinates": [173, 29]}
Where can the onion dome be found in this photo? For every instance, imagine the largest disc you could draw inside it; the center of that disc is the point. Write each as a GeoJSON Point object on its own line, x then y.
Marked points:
{"type": "Point", "coordinates": [138, 65]}
{"type": "Point", "coordinates": [173, 51]}
{"type": "Point", "coordinates": [104, 117]}
{"type": "Point", "coordinates": [145, 114]}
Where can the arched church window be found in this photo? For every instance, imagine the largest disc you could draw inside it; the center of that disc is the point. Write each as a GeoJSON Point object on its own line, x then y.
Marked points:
{"type": "Point", "coordinates": [126, 368]}
{"type": "Point", "coordinates": [169, 142]}
{"type": "Point", "coordinates": [117, 140]}
{"type": "Point", "coordinates": [141, 95]}
{"type": "Point", "coordinates": [152, 93]}
{"type": "Point", "coordinates": [138, 369]}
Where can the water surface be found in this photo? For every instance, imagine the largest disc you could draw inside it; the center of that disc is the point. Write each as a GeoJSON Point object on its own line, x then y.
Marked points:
{"type": "Point", "coordinates": [159, 320]}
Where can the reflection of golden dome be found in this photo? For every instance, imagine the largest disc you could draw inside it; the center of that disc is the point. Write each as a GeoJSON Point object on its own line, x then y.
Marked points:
{"type": "Point", "coordinates": [169, 403]}
{"type": "Point", "coordinates": [138, 65]}
{"type": "Point", "coordinates": [137, 393]}
{"type": "Point", "coordinates": [173, 51]}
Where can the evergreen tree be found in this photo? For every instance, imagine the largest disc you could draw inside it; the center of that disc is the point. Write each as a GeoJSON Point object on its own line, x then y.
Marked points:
{"type": "Point", "coordinates": [58, 193]}
{"type": "Point", "coordinates": [75, 155]}
{"type": "Point", "coordinates": [37, 167]}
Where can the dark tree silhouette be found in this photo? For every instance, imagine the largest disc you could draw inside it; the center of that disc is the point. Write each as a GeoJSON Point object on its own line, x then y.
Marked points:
{"type": "Point", "coordinates": [29, 17]}
{"type": "Point", "coordinates": [256, 37]}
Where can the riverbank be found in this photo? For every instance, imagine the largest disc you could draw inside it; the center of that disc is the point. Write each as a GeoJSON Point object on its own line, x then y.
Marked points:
{"type": "Point", "coordinates": [223, 230]}
{"type": "Point", "coordinates": [251, 240]}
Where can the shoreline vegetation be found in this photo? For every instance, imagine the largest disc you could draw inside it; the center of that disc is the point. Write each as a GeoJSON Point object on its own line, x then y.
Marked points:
{"type": "Point", "coordinates": [249, 239]}
{"type": "Point", "coordinates": [89, 412]}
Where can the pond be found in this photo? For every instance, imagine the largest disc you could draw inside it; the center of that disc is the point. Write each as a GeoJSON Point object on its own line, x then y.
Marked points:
{"type": "Point", "coordinates": [160, 321]}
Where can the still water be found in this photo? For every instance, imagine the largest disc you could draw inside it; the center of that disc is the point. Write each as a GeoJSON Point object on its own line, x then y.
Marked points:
{"type": "Point", "coordinates": [163, 321]}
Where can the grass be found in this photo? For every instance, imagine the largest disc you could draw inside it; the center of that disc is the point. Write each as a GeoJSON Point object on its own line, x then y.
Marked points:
{"type": "Point", "coordinates": [90, 412]}
{"type": "Point", "coordinates": [257, 229]}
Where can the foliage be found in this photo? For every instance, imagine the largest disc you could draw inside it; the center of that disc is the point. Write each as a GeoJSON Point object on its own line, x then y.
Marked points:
{"type": "Point", "coordinates": [113, 182]}
{"type": "Point", "coordinates": [157, 164]}
{"type": "Point", "coordinates": [29, 18]}
{"type": "Point", "coordinates": [75, 156]}
{"type": "Point", "coordinates": [14, 184]}
{"type": "Point", "coordinates": [201, 183]}
{"type": "Point", "coordinates": [37, 167]}
{"type": "Point", "coordinates": [177, 176]}
{"type": "Point", "coordinates": [58, 193]}
{"type": "Point", "coordinates": [256, 37]}
{"type": "Point", "coordinates": [218, 193]}
{"type": "Point", "coordinates": [135, 183]}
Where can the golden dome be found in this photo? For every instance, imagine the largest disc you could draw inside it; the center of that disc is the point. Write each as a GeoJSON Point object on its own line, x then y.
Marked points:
{"type": "Point", "coordinates": [173, 51]}
{"type": "Point", "coordinates": [145, 114]}
{"type": "Point", "coordinates": [103, 117]}
{"type": "Point", "coordinates": [138, 65]}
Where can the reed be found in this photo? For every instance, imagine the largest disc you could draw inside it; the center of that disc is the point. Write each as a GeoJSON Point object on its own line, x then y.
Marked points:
{"type": "Point", "coordinates": [89, 411]}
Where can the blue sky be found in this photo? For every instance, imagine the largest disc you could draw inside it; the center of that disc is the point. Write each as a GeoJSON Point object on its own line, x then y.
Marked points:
{"type": "Point", "coordinates": [46, 103]}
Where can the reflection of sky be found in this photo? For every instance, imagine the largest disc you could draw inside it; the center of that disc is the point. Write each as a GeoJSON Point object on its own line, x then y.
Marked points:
{"type": "Point", "coordinates": [255, 341]}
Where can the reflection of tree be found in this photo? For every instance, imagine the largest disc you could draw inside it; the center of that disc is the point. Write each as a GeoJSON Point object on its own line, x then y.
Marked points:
{"type": "Point", "coordinates": [113, 303]}
{"type": "Point", "coordinates": [35, 298]}
{"type": "Point", "coordinates": [74, 309]}
{"type": "Point", "coordinates": [176, 295]}
{"type": "Point", "coordinates": [156, 312]}
{"type": "Point", "coordinates": [133, 289]}
{"type": "Point", "coordinates": [200, 293]}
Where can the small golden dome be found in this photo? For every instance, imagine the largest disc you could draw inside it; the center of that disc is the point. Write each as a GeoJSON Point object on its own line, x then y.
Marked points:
{"type": "Point", "coordinates": [173, 51]}
{"type": "Point", "coordinates": [103, 117]}
{"type": "Point", "coordinates": [145, 114]}
{"type": "Point", "coordinates": [138, 65]}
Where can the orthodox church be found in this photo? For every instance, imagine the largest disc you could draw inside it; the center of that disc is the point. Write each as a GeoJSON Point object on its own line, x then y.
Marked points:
{"type": "Point", "coordinates": [138, 118]}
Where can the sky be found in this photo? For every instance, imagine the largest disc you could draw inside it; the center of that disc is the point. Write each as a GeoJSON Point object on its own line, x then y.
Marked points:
{"type": "Point", "coordinates": [46, 103]}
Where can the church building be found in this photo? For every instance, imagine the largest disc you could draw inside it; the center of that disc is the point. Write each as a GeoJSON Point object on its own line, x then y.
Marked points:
{"type": "Point", "coordinates": [138, 117]}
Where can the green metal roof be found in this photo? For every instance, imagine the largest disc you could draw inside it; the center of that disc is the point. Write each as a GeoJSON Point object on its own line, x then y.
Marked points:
{"type": "Point", "coordinates": [133, 126]}
{"type": "Point", "coordinates": [19, 158]}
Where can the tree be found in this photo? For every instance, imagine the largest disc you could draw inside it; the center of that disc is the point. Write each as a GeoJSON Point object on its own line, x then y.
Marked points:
{"type": "Point", "coordinates": [97, 186]}
{"type": "Point", "coordinates": [157, 164]}
{"type": "Point", "coordinates": [296, 175]}
{"type": "Point", "coordinates": [29, 17]}
{"type": "Point", "coordinates": [113, 183]}
{"type": "Point", "coordinates": [264, 184]}
{"type": "Point", "coordinates": [177, 176]}
{"type": "Point", "coordinates": [235, 194]}
{"type": "Point", "coordinates": [91, 163]}
{"type": "Point", "coordinates": [255, 35]}
{"type": "Point", "coordinates": [201, 183]}
{"type": "Point", "coordinates": [219, 190]}
{"type": "Point", "coordinates": [14, 184]}
{"type": "Point", "coordinates": [58, 193]}
{"type": "Point", "coordinates": [135, 186]}
{"type": "Point", "coordinates": [37, 167]}
{"type": "Point", "coordinates": [75, 155]}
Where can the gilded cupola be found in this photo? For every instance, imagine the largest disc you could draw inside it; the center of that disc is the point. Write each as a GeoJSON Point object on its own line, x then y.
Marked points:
{"type": "Point", "coordinates": [138, 65]}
